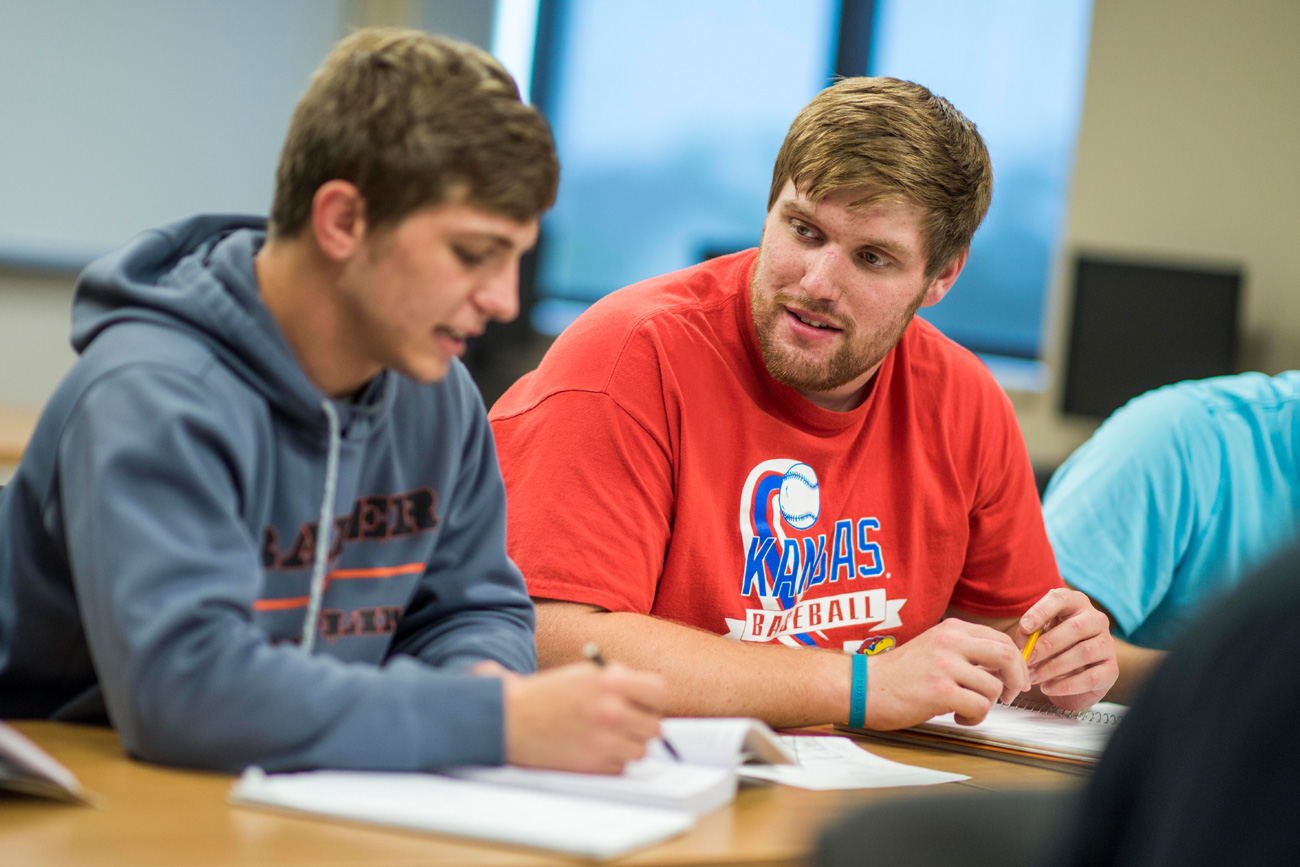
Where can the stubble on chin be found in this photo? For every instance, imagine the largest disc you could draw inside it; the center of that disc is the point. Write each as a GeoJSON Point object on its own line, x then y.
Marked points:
{"type": "Point", "coordinates": [805, 371]}
{"type": "Point", "coordinates": [787, 364]}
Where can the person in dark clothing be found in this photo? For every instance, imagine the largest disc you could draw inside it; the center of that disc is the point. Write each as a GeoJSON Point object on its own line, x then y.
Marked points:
{"type": "Point", "coordinates": [1205, 767]}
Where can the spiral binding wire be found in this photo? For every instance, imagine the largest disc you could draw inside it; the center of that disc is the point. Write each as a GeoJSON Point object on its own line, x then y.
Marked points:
{"type": "Point", "coordinates": [1086, 715]}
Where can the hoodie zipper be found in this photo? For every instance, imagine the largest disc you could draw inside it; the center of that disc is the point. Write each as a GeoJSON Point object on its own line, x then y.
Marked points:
{"type": "Point", "coordinates": [323, 530]}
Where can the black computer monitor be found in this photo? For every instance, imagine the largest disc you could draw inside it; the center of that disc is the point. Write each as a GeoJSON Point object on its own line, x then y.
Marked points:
{"type": "Point", "coordinates": [1139, 325]}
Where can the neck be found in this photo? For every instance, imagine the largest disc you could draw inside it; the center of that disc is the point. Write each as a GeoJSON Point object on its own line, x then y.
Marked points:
{"type": "Point", "coordinates": [296, 283]}
{"type": "Point", "coordinates": [847, 397]}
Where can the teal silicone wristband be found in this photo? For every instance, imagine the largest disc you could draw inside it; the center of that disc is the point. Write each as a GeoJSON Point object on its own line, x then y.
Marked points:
{"type": "Point", "coordinates": [858, 697]}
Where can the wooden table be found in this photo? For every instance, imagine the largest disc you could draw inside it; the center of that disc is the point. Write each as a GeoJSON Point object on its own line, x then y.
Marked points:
{"type": "Point", "coordinates": [159, 816]}
{"type": "Point", "coordinates": [16, 426]}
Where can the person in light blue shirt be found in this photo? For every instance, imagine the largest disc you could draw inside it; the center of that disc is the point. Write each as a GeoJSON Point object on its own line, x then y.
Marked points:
{"type": "Point", "coordinates": [1178, 496]}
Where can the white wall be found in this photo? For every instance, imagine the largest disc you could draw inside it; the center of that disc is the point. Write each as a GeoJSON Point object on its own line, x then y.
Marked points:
{"type": "Point", "coordinates": [120, 116]}
{"type": "Point", "coordinates": [34, 349]}
{"type": "Point", "coordinates": [115, 117]}
{"type": "Point", "coordinates": [1188, 150]}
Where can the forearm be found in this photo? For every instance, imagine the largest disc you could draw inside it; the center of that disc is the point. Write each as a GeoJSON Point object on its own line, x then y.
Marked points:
{"type": "Point", "coordinates": [500, 630]}
{"type": "Point", "coordinates": [246, 703]}
{"type": "Point", "coordinates": [706, 674]}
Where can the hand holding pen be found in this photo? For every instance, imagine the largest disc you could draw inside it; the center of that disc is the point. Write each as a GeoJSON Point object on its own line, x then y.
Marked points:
{"type": "Point", "coordinates": [580, 718]}
{"type": "Point", "coordinates": [592, 653]}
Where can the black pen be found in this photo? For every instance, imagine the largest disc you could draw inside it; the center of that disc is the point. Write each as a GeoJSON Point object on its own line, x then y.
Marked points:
{"type": "Point", "coordinates": [592, 652]}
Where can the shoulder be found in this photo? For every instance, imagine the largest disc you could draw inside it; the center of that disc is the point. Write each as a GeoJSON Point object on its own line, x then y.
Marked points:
{"type": "Point", "coordinates": [946, 381]}
{"type": "Point", "coordinates": [168, 403]}
{"type": "Point", "coordinates": [1197, 402]}
{"type": "Point", "coordinates": [162, 370]}
{"type": "Point", "coordinates": [1245, 420]}
{"type": "Point", "coordinates": [438, 416]}
{"type": "Point", "coordinates": [1168, 423]}
{"type": "Point", "coordinates": [934, 355]}
{"type": "Point", "coordinates": [1251, 395]}
{"type": "Point", "coordinates": [1156, 445]}
{"type": "Point", "coordinates": [624, 338]}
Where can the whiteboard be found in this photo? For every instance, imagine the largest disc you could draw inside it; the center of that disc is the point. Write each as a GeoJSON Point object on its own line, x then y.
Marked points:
{"type": "Point", "coordinates": [118, 116]}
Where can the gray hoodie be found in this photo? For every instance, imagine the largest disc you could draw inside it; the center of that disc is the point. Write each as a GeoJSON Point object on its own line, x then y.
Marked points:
{"type": "Point", "coordinates": [159, 554]}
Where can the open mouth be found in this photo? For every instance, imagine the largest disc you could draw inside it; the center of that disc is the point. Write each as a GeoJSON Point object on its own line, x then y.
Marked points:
{"type": "Point", "coordinates": [801, 320]}
{"type": "Point", "coordinates": [454, 341]}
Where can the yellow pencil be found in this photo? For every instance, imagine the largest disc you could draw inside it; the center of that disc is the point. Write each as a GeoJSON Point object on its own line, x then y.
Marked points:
{"type": "Point", "coordinates": [1029, 645]}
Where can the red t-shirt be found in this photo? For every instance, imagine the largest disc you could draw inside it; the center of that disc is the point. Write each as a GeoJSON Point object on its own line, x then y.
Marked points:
{"type": "Point", "coordinates": [653, 465]}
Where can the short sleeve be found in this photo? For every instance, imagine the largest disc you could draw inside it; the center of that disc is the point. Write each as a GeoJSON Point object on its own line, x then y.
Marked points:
{"type": "Point", "coordinates": [590, 500]}
{"type": "Point", "coordinates": [1009, 564]}
{"type": "Point", "coordinates": [1121, 511]}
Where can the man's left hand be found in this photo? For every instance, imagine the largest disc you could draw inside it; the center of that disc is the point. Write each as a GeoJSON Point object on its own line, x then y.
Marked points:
{"type": "Point", "coordinates": [1073, 662]}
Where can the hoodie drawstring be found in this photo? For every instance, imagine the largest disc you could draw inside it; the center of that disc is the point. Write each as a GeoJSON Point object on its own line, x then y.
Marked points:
{"type": "Point", "coordinates": [323, 530]}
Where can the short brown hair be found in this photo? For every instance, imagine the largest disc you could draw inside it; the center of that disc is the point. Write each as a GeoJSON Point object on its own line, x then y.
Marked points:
{"type": "Point", "coordinates": [412, 120]}
{"type": "Point", "coordinates": [903, 140]}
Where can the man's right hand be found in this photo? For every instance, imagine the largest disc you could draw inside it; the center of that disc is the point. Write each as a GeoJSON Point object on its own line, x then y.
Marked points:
{"type": "Point", "coordinates": [955, 666]}
{"type": "Point", "coordinates": [581, 717]}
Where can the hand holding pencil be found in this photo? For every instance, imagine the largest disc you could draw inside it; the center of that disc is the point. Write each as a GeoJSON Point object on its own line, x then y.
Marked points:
{"type": "Point", "coordinates": [1069, 649]}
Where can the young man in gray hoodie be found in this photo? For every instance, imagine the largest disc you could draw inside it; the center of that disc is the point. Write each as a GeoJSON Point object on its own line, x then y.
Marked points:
{"type": "Point", "coordinates": [261, 521]}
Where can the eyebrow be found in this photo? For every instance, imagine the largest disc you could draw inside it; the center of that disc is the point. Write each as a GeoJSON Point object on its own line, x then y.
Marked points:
{"type": "Point", "coordinates": [800, 211]}
{"type": "Point", "coordinates": [499, 242]}
{"type": "Point", "coordinates": [893, 250]}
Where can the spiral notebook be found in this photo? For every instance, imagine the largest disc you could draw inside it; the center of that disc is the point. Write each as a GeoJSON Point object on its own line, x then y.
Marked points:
{"type": "Point", "coordinates": [1035, 734]}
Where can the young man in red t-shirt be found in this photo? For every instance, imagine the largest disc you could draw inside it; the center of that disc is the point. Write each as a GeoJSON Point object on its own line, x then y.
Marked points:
{"type": "Point", "coordinates": [770, 448]}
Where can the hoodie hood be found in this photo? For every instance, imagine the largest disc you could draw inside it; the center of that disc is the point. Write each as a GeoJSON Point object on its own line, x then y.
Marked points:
{"type": "Point", "coordinates": [198, 275]}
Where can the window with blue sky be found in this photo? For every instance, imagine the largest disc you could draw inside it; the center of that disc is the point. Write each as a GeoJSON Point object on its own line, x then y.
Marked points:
{"type": "Point", "coordinates": [668, 116]}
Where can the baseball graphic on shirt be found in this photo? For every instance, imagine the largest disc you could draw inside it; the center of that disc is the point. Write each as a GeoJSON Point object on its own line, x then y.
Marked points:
{"type": "Point", "coordinates": [799, 499]}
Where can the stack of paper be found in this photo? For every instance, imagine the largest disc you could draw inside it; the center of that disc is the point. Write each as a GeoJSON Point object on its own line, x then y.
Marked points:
{"type": "Point", "coordinates": [839, 763]}
{"type": "Point", "coordinates": [25, 767]}
{"type": "Point", "coordinates": [428, 802]}
{"type": "Point", "coordinates": [670, 786]}
{"type": "Point", "coordinates": [592, 815]}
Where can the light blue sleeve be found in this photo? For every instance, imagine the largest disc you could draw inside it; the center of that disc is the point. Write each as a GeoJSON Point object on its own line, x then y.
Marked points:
{"type": "Point", "coordinates": [1122, 510]}
{"type": "Point", "coordinates": [151, 475]}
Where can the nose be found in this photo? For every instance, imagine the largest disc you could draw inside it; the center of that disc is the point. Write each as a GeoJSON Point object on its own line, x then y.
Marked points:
{"type": "Point", "coordinates": [821, 277]}
{"type": "Point", "coordinates": [498, 297]}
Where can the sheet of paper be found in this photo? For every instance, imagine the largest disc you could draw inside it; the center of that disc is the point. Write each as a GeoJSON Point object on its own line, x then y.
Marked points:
{"type": "Point", "coordinates": [840, 763]}
{"type": "Point", "coordinates": [25, 767]}
{"type": "Point", "coordinates": [722, 742]}
{"type": "Point", "coordinates": [427, 802]}
{"type": "Point", "coordinates": [653, 783]}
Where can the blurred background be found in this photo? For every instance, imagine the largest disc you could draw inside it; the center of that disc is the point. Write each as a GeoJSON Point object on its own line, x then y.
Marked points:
{"type": "Point", "coordinates": [1145, 215]}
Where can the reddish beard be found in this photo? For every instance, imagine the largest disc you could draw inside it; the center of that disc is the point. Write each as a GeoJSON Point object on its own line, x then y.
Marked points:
{"type": "Point", "coordinates": [802, 370]}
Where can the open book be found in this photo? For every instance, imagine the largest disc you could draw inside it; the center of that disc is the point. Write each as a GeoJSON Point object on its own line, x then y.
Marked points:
{"type": "Point", "coordinates": [25, 767]}
{"type": "Point", "coordinates": [591, 815]}
{"type": "Point", "coordinates": [1034, 734]}
{"type": "Point", "coordinates": [702, 779]}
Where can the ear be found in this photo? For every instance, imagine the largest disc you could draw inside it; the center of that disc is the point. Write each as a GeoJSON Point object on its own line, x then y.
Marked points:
{"type": "Point", "coordinates": [338, 219]}
{"type": "Point", "coordinates": [943, 281]}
